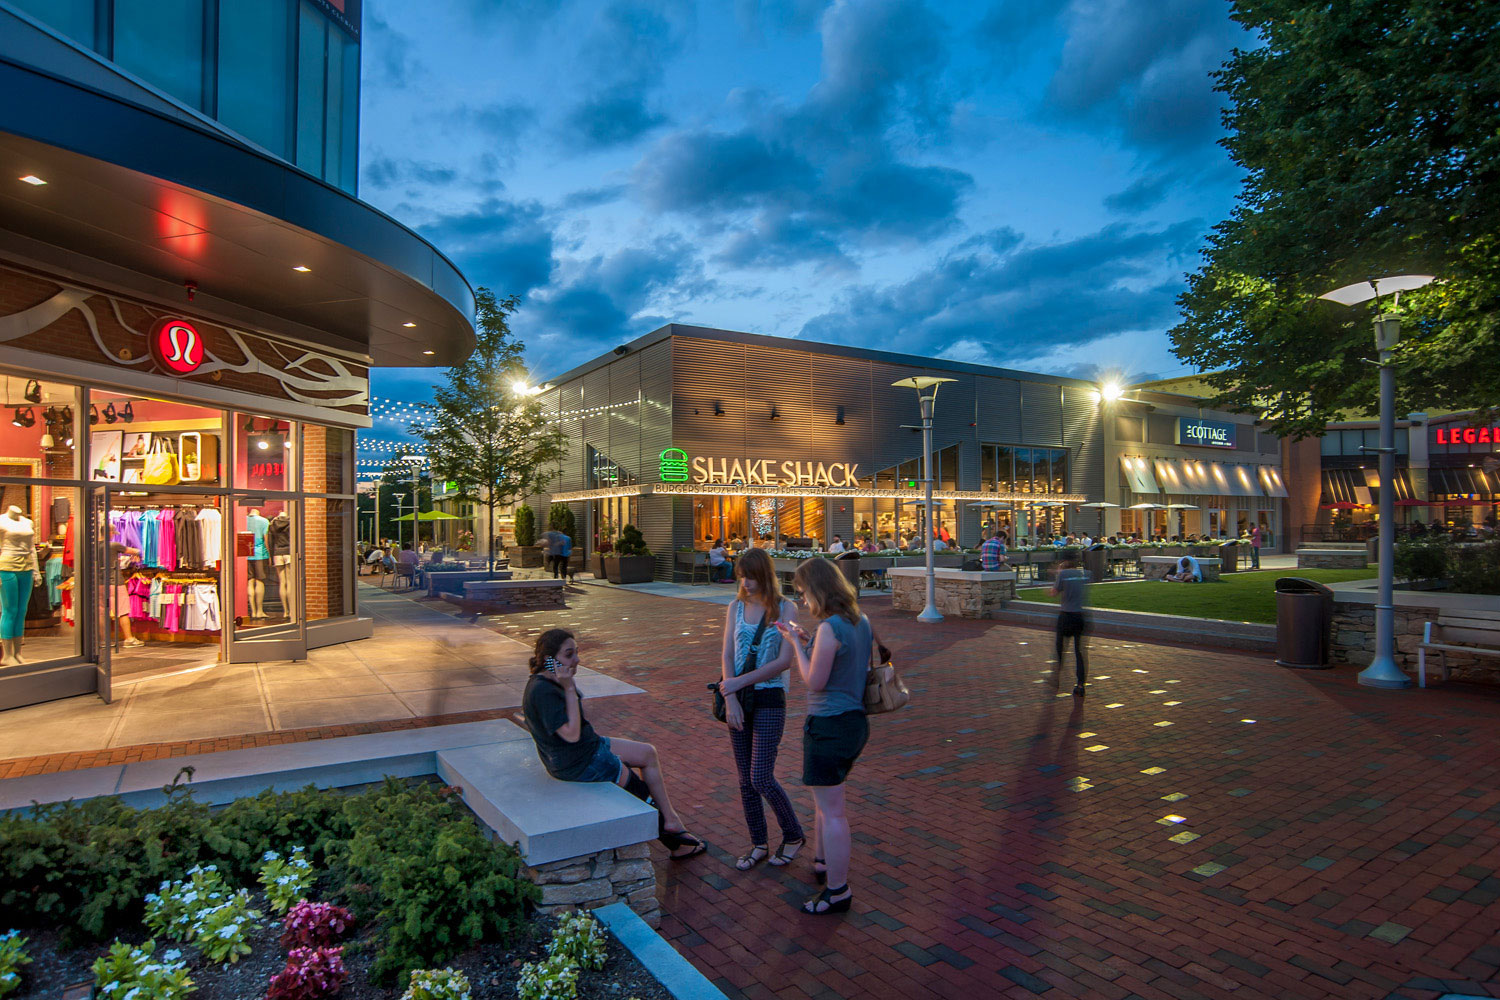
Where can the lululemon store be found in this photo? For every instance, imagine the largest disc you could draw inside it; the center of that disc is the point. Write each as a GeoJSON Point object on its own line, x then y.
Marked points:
{"type": "Point", "coordinates": [188, 319]}
{"type": "Point", "coordinates": [693, 434]}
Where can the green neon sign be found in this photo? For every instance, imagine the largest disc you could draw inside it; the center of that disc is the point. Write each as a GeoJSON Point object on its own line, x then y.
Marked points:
{"type": "Point", "coordinates": [674, 466]}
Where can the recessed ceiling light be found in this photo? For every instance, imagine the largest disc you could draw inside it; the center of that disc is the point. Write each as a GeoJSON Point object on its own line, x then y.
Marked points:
{"type": "Point", "coordinates": [429, 352]}
{"type": "Point", "coordinates": [304, 270]}
{"type": "Point", "coordinates": [33, 180]}
{"type": "Point", "coordinates": [408, 324]}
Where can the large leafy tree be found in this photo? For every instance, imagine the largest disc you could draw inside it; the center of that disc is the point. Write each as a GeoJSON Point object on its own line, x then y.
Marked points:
{"type": "Point", "coordinates": [1370, 134]}
{"type": "Point", "coordinates": [482, 431]}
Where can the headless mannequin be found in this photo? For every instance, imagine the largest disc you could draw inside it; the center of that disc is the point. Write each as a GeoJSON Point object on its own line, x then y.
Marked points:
{"type": "Point", "coordinates": [255, 589]}
{"type": "Point", "coordinates": [283, 561]}
{"type": "Point", "coordinates": [19, 573]}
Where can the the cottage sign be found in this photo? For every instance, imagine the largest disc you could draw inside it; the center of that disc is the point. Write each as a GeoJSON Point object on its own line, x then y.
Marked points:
{"type": "Point", "coordinates": [1205, 433]}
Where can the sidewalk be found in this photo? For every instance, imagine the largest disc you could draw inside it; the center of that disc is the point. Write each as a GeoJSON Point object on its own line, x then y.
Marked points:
{"type": "Point", "coordinates": [420, 664]}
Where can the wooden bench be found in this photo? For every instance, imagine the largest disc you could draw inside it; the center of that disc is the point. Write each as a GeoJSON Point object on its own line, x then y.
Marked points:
{"type": "Point", "coordinates": [1478, 630]}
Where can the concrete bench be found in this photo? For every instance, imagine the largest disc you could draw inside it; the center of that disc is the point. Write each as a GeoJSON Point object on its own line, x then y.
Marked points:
{"type": "Point", "coordinates": [1476, 633]}
{"type": "Point", "coordinates": [965, 593]}
{"type": "Point", "coordinates": [1330, 557]}
{"type": "Point", "coordinates": [451, 581]}
{"type": "Point", "coordinates": [520, 593]}
{"type": "Point", "coordinates": [1157, 567]}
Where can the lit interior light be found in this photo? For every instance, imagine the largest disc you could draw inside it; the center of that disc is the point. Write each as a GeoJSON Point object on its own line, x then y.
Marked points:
{"type": "Point", "coordinates": [429, 352]}
{"type": "Point", "coordinates": [408, 324]}
{"type": "Point", "coordinates": [262, 445]}
{"type": "Point", "coordinates": [301, 269]}
{"type": "Point", "coordinates": [33, 180]}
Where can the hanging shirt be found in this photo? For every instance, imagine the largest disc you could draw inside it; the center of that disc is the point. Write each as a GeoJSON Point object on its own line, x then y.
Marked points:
{"type": "Point", "coordinates": [166, 545]}
{"type": "Point", "coordinates": [210, 534]}
{"type": "Point", "coordinates": [150, 531]}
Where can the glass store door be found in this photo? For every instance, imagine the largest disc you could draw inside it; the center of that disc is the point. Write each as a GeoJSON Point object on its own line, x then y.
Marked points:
{"type": "Point", "coordinates": [267, 616]}
{"type": "Point", "coordinates": [97, 596]}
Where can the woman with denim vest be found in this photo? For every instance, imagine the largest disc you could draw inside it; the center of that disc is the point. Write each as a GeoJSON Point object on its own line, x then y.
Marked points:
{"type": "Point", "coordinates": [835, 670]}
{"type": "Point", "coordinates": [756, 611]}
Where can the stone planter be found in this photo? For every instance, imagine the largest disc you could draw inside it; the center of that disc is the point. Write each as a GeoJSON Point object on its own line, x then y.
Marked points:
{"type": "Point", "coordinates": [624, 874]}
{"type": "Point", "coordinates": [629, 569]}
{"type": "Point", "coordinates": [958, 593]}
{"type": "Point", "coordinates": [1352, 639]}
{"type": "Point", "coordinates": [596, 565]}
{"type": "Point", "coordinates": [530, 556]}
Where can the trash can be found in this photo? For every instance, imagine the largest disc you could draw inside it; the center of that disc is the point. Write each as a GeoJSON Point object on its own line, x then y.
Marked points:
{"type": "Point", "coordinates": [848, 563]}
{"type": "Point", "coordinates": [1096, 562]}
{"type": "Point", "coordinates": [1304, 610]}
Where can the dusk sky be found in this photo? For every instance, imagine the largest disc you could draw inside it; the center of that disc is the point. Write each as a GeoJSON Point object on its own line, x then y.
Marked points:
{"type": "Point", "coordinates": [1022, 183]}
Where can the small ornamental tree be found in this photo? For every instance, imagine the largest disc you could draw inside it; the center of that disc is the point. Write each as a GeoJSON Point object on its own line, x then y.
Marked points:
{"type": "Point", "coordinates": [560, 518]}
{"type": "Point", "coordinates": [525, 526]}
{"type": "Point", "coordinates": [631, 542]}
{"type": "Point", "coordinates": [485, 429]}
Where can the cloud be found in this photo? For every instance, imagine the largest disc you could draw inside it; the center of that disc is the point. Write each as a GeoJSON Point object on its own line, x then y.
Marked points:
{"type": "Point", "coordinates": [503, 245]}
{"type": "Point", "coordinates": [1009, 300]}
{"type": "Point", "coordinates": [387, 172]}
{"type": "Point", "coordinates": [616, 117]}
{"type": "Point", "coordinates": [807, 181]}
{"type": "Point", "coordinates": [592, 197]}
{"type": "Point", "coordinates": [387, 52]}
{"type": "Point", "coordinates": [1141, 194]}
{"type": "Point", "coordinates": [782, 16]}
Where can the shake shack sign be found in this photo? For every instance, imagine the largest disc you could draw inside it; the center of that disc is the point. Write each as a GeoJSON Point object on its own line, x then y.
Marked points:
{"type": "Point", "coordinates": [1205, 433]}
{"type": "Point", "coordinates": [677, 467]}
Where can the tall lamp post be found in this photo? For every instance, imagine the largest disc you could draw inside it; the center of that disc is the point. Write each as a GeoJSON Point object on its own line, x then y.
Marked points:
{"type": "Point", "coordinates": [1383, 671]}
{"type": "Point", "coordinates": [415, 461]}
{"type": "Point", "coordinates": [926, 401]}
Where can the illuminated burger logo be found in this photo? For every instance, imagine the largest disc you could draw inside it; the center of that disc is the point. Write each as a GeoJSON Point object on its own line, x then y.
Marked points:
{"type": "Point", "coordinates": [177, 346]}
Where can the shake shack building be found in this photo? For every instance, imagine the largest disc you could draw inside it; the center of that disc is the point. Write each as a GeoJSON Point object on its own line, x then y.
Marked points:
{"type": "Point", "coordinates": [693, 434]}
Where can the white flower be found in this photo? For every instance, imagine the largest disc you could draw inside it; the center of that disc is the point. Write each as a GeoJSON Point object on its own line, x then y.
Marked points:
{"type": "Point", "coordinates": [171, 955]}
{"type": "Point", "coordinates": [270, 856]}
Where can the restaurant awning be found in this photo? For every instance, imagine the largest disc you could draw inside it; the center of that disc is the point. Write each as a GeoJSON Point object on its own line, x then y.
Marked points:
{"type": "Point", "coordinates": [1459, 481]}
{"type": "Point", "coordinates": [1270, 480]}
{"type": "Point", "coordinates": [1137, 473]}
{"type": "Point", "coordinates": [1339, 486]}
{"type": "Point", "coordinates": [1169, 475]}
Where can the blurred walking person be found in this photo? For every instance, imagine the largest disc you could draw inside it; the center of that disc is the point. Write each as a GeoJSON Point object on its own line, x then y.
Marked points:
{"type": "Point", "coordinates": [1071, 587]}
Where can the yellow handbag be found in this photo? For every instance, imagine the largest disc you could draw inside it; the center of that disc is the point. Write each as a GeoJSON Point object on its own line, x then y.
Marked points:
{"type": "Point", "coordinates": [161, 464]}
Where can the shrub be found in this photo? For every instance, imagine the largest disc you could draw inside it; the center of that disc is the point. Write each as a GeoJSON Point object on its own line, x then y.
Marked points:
{"type": "Point", "coordinates": [560, 518]}
{"type": "Point", "coordinates": [172, 911]}
{"type": "Point", "coordinates": [579, 939]}
{"type": "Point", "coordinates": [525, 526]}
{"type": "Point", "coordinates": [631, 542]}
{"type": "Point", "coordinates": [127, 973]}
{"type": "Point", "coordinates": [220, 931]}
{"type": "Point", "coordinates": [12, 957]}
{"type": "Point", "coordinates": [436, 883]}
{"type": "Point", "coordinates": [315, 925]}
{"type": "Point", "coordinates": [311, 817]}
{"type": "Point", "coordinates": [437, 984]}
{"type": "Point", "coordinates": [1475, 569]}
{"type": "Point", "coordinates": [554, 978]}
{"type": "Point", "coordinates": [310, 973]}
{"type": "Point", "coordinates": [286, 880]}
{"type": "Point", "coordinates": [1426, 559]}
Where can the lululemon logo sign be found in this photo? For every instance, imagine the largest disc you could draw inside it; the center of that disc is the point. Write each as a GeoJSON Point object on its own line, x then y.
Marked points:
{"type": "Point", "coordinates": [177, 346]}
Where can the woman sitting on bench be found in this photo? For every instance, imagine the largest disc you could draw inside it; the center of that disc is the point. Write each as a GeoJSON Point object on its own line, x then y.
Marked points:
{"type": "Point", "coordinates": [570, 750]}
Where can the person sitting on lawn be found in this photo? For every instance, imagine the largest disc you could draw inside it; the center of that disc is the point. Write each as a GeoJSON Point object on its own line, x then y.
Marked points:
{"type": "Point", "coordinates": [1187, 571]}
{"type": "Point", "coordinates": [570, 750]}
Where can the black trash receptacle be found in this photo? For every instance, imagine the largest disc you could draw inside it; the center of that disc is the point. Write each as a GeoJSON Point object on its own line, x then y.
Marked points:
{"type": "Point", "coordinates": [1304, 610]}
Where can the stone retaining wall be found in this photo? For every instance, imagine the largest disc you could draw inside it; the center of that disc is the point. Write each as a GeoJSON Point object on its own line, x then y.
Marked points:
{"type": "Point", "coordinates": [1353, 641]}
{"type": "Point", "coordinates": [624, 874]}
{"type": "Point", "coordinates": [515, 593]}
{"type": "Point", "coordinates": [1157, 567]}
{"type": "Point", "coordinates": [964, 595]}
{"type": "Point", "coordinates": [1331, 558]}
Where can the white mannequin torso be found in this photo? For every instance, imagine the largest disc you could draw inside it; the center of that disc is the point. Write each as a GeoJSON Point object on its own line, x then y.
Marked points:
{"type": "Point", "coordinates": [17, 542]}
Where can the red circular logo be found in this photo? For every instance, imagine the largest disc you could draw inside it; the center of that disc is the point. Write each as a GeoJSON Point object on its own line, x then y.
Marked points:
{"type": "Point", "coordinates": [177, 346]}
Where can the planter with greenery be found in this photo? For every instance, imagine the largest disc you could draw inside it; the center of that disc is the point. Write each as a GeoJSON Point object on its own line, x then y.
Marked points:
{"type": "Point", "coordinates": [529, 556]}
{"type": "Point", "coordinates": [631, 561]}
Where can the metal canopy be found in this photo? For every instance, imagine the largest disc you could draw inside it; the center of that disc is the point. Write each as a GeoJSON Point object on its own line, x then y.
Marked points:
{"type": "Point", "coordinates": [157, 201]}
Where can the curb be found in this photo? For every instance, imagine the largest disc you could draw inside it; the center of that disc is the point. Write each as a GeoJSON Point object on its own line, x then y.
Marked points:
{"type": "Point", "coordinates": [673, 971]}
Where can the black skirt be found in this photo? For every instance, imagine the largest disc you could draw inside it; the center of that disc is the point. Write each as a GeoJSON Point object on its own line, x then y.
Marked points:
{"type": "Point", "coordinates": [830, 746]}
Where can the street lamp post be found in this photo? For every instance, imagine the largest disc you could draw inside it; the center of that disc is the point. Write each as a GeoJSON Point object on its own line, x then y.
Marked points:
{"type": "Point", "coordinates": [415, 461]}
{"type": "Point", "coordinates": [1383, 671]}
{"type": "Point", "coordinates": [926, 401]}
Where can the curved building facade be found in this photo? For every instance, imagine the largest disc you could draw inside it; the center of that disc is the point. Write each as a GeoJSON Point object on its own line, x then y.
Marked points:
{"type": "Point", "coordinates": [191, 301]}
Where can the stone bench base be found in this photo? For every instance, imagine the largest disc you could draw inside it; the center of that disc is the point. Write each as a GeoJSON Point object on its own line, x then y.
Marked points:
{"type": "Point", "coordinates": [451, 581]}
{"type": "Point", "coordinates": [957, 592]}
{"type": "Point", "coordinates": [1157, 567]}
{"type": "Point", "coordinates": [516, 593]}
{"type": "Point", "coordinates": [1332, 558]}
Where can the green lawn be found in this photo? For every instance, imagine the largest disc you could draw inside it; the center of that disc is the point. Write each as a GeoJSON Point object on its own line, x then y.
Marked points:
{"type": "Point", "coordinates": [1238, 597]}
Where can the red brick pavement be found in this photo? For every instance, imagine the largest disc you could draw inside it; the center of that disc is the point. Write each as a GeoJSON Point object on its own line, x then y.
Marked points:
{"type": "Point", "coordinates": [1356, 829]}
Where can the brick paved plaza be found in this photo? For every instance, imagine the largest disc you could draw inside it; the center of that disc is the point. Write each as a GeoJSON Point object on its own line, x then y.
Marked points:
{"type": "Point", "coordinates": [1203, 825]}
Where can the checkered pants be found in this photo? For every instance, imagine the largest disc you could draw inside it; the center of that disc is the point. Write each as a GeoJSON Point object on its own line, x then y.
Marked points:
{"type": "Point", "coordinates": [755, 749]}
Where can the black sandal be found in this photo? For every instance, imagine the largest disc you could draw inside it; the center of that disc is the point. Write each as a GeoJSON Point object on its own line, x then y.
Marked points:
{"type": "Point", "coordinates": [820, 874]}
{"type": "Point", "coordinates": [783, 857]}
{"type": "Point", "coordinates": [758, 853]}
{"type": "Point", "coordinates": [824, 903]}
{"type": "Point", "coordinates": [686, 839]}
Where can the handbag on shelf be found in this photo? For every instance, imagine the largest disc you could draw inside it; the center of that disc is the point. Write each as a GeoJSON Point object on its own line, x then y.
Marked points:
{"type": "Point", "coordinates": [885, 691]}
{"type": "Point", "coordinates": [161, 463]}
{"type": "Point", "coordinates": [746, 695]}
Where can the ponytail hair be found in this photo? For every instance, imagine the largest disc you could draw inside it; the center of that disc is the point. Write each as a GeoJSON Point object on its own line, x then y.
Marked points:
{"type": "Point", "coordinates": [547, 646]}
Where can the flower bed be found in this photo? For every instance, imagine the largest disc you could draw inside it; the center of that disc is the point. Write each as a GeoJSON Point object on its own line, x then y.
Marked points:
{"type": "Point", "coordinates": [289, 896]}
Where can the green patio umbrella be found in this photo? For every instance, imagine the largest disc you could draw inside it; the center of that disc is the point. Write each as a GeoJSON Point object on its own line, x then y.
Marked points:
{"type": "Point", "coordinates": [433, 515]}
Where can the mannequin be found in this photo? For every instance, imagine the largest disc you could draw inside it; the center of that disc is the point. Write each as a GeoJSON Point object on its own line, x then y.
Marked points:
{"type": "Point", "coordinates": [258, 564]}
{"type": "Point", "coordinates": [279, 541]}
{"type": "Point", "coordinates": [19, 573]}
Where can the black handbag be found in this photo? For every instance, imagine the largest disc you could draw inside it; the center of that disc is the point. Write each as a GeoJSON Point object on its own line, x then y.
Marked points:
{"type": "Point", "coordinates": [746, 695]}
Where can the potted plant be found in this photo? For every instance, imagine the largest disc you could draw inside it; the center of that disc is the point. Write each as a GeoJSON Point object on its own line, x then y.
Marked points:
{"type": "Point", "coordinates": [631, 561]}
{"type": "Point", "coordinates": [531, 556]}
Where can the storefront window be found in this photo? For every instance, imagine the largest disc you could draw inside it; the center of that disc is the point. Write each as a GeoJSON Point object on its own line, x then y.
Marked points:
{"type": "Point", "coordinates": [37, 429]}
{"type": "Point", "coordinates": [265, 567]}
{"type": "Point", "coordinates": [330, 540]}
{"type": "Point", "coordinates": [154, 442]}
{"type": "Point", "coordinates": [264, 453]}
{"type": "Point", "coordinates": [947, 468]}
{"type": "Point", "coordinates": [38, 605]}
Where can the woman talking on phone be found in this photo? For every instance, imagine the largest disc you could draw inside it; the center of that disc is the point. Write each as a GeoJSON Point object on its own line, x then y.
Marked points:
{"type": "Point", "coordinates": [836, 728]}
{"type": "Point", "coordinates": [755, 663]}
{"type": "Point", "coordinates": [570, 750]}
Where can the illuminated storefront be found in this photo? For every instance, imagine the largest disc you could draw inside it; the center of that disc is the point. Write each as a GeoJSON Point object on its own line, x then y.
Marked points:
{"type": "Point", "coordinates": [694, 434]}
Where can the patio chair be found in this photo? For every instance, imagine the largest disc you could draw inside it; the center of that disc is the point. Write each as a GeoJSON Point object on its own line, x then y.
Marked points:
{"type": "Point", "coordinates": [406, 572]}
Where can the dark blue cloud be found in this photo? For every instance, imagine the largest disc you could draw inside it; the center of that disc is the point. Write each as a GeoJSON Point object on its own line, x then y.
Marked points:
{"type": "Point", "coordinates": [1141, 194]}
{"type": "Point", "coordinates": [1018, 300]}
{"type": "Point", "coordinates": [616, 117]}
{"type": "Point", "coordinates": [386, 172]}
{"type": "Point", "coordinates": [503, 245]}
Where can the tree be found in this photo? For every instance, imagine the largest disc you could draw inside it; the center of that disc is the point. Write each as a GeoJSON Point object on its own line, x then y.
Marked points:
{"type": "Point", "coordinates": [560, 518]}
{"type": "Point", "coordinates": [1370, 133]}
{"type": "Point", "coordinates": [485, 432]}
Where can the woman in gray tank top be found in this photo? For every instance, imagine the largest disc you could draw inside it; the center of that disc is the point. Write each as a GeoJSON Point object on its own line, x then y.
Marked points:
{"type": "Point", "coordinates": [835, 670]}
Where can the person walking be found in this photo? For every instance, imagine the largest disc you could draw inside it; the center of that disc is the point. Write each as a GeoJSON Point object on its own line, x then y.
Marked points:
{"type": "Point", "coordinates": [556, 543]}
{"type": "Point", "coordinates": [1255, 547]}
{"type": "Point", "coordinates": [1071, 586]}
{"type": "Point", "coordinates": [755, 664]}
{"type": "Point", "coordinates": [836, 730]}
{"type": "Point", "coordinates": [570, 750]}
